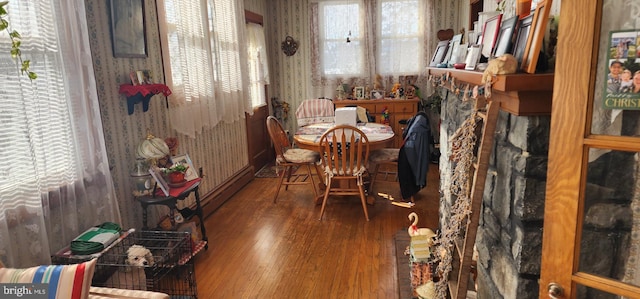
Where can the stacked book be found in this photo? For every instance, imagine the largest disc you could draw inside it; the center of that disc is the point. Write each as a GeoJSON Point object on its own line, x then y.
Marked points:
{"type": "Point", "coordinates": [420, 248]}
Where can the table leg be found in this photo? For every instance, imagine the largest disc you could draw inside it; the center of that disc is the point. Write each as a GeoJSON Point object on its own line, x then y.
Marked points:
{"type": "Point", "coordinates": [199, 213]}
{"type": "Point", "coordinates": [144, 217]}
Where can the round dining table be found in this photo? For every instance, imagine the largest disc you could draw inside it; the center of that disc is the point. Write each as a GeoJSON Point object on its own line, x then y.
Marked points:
{"type": "Point", "coordinates": [379, 135]}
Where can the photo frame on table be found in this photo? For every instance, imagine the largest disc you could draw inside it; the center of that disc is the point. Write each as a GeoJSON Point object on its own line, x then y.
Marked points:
{"type": "Point", "coordinates": [524, 27]}
{"type": "Point", "coordinates": [128, 28]}
{"type": "Point", "coordinates": [473, 56]}
{"type": "Point", "coordinates": [454, 44]}
{"type": "Point", "coordinates": [156, 173]}
{"type": "Point", "coordinates": [505, 37]}
{"type": "Point", "coordinates": [490, 34]}
{"type": "Point", "coordinates": [191, 173]}
{"type": "Point", "coordinates": [438, 55]}
{"type": "Point", "coordinates": [359, 92]}
{"type": "Point", "coordinates": [536, 35]}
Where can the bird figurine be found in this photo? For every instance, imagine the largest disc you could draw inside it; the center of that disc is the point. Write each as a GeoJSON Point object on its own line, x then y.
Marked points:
{"type": "Point", "coordinates": [415, 231]}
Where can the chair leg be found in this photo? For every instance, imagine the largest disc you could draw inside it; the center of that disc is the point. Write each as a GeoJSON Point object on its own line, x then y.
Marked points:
{"type": "Point", "coordinates": [363, 200]}
{"type": "Point", "coordinates": [324, 200]}
{"type": "Point", "coordinates": [313, 183]}
{"type": "Point", "coordinates": [288, 170]}
{"type": "Point", "coordinates": [280, 183]}
{"type": "Point", "coordinates": [373, 176]}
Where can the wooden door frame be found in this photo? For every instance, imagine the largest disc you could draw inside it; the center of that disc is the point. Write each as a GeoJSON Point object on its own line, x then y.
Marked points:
{"type": "Point", "coordinates": [569, 144]}
{"type": "Point", "coordinates": [267, 152]}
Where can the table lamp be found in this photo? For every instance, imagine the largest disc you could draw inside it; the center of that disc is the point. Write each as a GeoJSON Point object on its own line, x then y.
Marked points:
{"type": "Point", "coordinates": [152, 149]}
{"type": "Point", "coordinates": [148, 152]}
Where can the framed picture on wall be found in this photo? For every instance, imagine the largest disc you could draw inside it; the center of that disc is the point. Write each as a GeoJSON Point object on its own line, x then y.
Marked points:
{"type": "Point", "coordinates": [128, 28]}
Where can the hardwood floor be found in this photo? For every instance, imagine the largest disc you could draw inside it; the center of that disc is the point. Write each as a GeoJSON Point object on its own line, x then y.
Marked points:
{"type": "Point", "coordinates": [258, 249]}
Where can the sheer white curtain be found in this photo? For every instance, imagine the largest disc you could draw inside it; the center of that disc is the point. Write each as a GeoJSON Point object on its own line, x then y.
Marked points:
{"type": "Point", "coordinates": [401, 37]}
{"type": "Point", "coordinates": [386, 37]}
{"type": "Point", "coordinates": [258, 64]}
{"type": "Point", "coordinates": [205, 62]}
{"type": "Point", "coordinates": [54, 173]}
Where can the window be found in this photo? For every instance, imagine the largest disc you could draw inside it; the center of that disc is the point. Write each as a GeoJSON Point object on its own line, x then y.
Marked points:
{"type": "Point", "coordinates": [401, 37]}
{"type": "Point", "coordinates": [205, 62]}
{"type": "Point", "coordinates": [341, 44]}
{"type": "Point", "coordinates": [258, 66]}
{"type": "Point", "coordinates": [54, 173]}
{"type": "Point", "coordinates": [347, 35]}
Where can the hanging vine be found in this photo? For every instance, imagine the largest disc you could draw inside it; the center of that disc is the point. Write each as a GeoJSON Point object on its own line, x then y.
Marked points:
{"type": "Point", "coordinates": [16, 41]}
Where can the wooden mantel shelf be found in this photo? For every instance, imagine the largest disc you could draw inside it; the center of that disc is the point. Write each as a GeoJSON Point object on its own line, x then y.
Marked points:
{"type": "Point", "coordinates": [519, 94]}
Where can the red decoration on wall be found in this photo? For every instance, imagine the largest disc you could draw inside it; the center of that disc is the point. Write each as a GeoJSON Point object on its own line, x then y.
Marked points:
{"type": "Point", "coordinates": [142, 93]}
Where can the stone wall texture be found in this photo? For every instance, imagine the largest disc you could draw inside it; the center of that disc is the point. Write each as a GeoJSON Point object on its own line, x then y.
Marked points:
{"type": "Point", "coordinates": [509, 240]}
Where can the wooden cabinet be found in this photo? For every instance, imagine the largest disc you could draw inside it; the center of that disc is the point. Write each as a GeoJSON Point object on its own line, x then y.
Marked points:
{"type": "Point", "coordinates": [398, 110]}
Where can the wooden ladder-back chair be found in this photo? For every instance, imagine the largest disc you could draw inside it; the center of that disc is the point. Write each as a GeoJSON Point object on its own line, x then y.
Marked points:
{"type": "Point", "coordinates": [344, 155]}
{"type": "Point", "coordinates": [288, 157]}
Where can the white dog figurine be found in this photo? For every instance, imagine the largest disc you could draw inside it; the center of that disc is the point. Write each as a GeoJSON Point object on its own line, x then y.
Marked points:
{"type": "Point", "coordinates": [133, 276]}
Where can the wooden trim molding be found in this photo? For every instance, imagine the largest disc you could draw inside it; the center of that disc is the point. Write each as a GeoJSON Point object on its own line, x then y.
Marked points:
{"type": "Point", "coordinates": [252, 17]}
{"type": "Point", "coordinates": [519, 94]}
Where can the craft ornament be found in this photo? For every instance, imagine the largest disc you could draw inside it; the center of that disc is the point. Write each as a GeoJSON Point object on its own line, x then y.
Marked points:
{"type": "Point", "coordinates": [289, 46]}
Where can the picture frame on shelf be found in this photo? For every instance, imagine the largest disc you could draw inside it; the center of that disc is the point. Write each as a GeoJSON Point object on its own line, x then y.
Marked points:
{"type": "Point", "coordinates": [459, 54]}
{"type": "Point", "coordinates": [490, 34]}
{"type": "Point", "coordinates": [453, 46]}
{"type": "Point", "coordinates": [524, 27]}
{"type": "Point", "coordinates": [358, 92]}
{"type": "Point", "coordinates": [377, 94]}
{"type": "Point", "coordinates": [439, 53]}
{"type": "Point", "coordinates": [505, 37]}
{"type": "Point", "coordinates": [473, 56]}
{"type": "Point", "coordinates": [536, 35]}
{"type": "Point", "coordinates": [156, 173]}
{"type": "Point", "coordinates": [128, 28]}
{"type": "Point", "coordinates": [191, 173]}
{"type": "Point", "coordinates": [134, 78]}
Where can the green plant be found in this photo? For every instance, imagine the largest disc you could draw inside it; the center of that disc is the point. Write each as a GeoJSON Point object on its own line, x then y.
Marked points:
{"type": "Point", "coordinates": [433, 102]}
{"type": "Point", "coordinates": [178, 167]}
{"type": "Point", "coordinates": [15, 42]}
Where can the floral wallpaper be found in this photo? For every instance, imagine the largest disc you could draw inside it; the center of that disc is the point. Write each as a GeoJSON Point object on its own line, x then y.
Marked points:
{"type": "Point", "coordinates": [291, 75]}
{"type": "Point", "coordinates": [221, 151]}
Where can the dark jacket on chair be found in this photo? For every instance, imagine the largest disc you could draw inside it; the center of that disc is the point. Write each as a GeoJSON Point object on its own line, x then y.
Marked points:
{"type": "Point", "coordinates": [414, 157]}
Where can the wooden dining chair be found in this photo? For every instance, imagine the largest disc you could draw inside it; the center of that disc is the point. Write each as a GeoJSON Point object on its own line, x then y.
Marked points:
{"type": "Point", "coordinates": [288, 157]}
{"type": "Point", "coordinates": [383, 157]}
{"type": "Point", "coordinates": [314, 111]}
{"type": "Point", "coordinates": [344, 154]}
